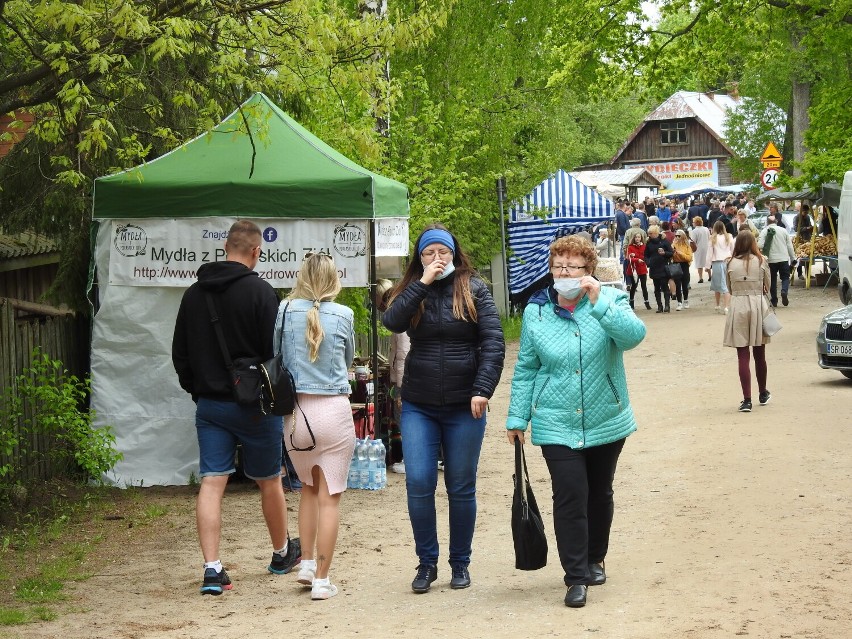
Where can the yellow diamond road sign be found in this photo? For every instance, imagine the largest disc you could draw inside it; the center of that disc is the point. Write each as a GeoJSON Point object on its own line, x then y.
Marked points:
{"type": "Point", "coordinates": [771, 157]}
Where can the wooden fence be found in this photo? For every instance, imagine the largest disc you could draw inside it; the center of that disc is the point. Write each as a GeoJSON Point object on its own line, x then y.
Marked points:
{"type": "Point", "coordinates": [61, 337]}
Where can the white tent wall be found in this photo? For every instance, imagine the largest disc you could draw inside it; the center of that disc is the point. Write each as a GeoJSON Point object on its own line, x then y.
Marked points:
{"type": "Point", "coordinates": [134, 386]}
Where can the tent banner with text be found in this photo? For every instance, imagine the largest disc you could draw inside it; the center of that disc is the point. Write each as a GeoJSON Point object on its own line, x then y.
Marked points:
{"type": "Point", "coordinates": [169, 252]}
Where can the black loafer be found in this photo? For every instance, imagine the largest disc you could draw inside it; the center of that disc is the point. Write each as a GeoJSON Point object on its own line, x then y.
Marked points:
{"type": "Point", "coordinates": [426, 574]}
{"type": "Point", "coordinates": [461, 578]}
{"type": "Point", "coordinates": [598, 574]}
{"type": "Point", "coordinates": [576, 596]}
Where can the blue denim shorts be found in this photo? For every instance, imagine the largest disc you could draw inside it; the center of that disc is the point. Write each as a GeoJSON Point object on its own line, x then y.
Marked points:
{"type": "Point", "coordinates": [222, 425]}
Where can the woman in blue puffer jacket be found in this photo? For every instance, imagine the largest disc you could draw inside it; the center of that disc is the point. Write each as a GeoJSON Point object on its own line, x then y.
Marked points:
{"type": "Point", "coordinates": [570, 385]}
{"type": "Point", "coordinates": [451, 371]}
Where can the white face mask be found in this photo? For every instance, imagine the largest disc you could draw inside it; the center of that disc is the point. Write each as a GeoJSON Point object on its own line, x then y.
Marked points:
{"type": "Point", "coordinates": [449, 268]}
{"type": "Point", "coordinates": [567, 287]}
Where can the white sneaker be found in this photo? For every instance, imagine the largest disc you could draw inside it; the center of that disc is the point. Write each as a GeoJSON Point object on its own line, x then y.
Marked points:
{"type": "Point", "coordinates": [725, 312]}
{"type": "Point", "coordinates": [686, 303]}
{"type": "Point", "coordinates": [398, 468]}
{"type": "Point", "coordinates": [679, 307]}
{"type": "Point", "coordinates": [718, 309]}
{"type": "Point", "coordinates": [323, 590]}
{"type": "Point", "coordinates": [308, 572]}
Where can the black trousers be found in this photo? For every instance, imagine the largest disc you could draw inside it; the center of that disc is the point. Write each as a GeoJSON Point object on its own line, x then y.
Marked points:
{"type": "Point", "coordinates": [682, 285]}
{"type": "Point", "coordinates": [661, 287]}
{"type": "Point", "coordinates": [582, 504]}
{"type": "Point", "coordinates": [776, 269]}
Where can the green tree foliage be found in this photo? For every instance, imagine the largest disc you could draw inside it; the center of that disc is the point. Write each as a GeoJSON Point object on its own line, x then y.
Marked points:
{"type": "Point", "coordinates": [114, 83]}
{"type": "Point", "coordinates": [481, 99]}
{"type": "Point", "coordinates": [51, 404]}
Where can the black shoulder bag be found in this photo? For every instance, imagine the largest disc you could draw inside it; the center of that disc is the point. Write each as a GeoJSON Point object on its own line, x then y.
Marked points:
{"type": "Point", "coordinates": [527, 527]}
{"type": "Point", "coordinates": [268, 385]}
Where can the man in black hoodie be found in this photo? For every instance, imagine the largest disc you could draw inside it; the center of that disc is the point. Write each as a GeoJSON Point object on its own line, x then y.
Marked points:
{"type": "Point", "coordinates": [247, 307]}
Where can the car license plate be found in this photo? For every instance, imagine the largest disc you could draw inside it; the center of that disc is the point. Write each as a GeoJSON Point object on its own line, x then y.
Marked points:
{"type": "Point", "coordinates": [839, 349]}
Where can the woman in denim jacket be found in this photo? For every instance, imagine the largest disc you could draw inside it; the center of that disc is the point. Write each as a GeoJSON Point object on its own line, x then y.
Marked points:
{"type": "Point", "coordinates": [571, 387]}
{"type": "Point", "coordinates": [316, 337]}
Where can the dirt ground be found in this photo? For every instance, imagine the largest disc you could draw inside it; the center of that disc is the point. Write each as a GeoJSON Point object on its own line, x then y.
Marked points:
{"type": "Point", "coordinates": [726, 524]}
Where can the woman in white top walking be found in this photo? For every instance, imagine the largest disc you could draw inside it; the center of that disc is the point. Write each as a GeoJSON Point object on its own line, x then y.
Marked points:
{"type": "Point", "coordinates": [721, 248]}
{"type": "Point", "coordinates": [700, 234]}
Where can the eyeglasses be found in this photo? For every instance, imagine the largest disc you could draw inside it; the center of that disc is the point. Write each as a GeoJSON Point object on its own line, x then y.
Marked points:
{"type": "Point", "coordinates": [567, 268]}
{"type": "Point", "coordinates": [442, 253]}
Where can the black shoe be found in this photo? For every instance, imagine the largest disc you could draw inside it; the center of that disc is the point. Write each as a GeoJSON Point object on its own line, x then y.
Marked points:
{"type": "Point", "coordinates": [281, 565]}
{"type": "Point", "coordinates": [461, 578]}
{"type": "Point", "coordinates": [701, 281]}
{"type": "Point", "coordinates": [426, 574]}
{"type": "Point", "coordinates": [764, 397]}
{"type": "Point", "coordinates": [631, 305]}
{"type": "Point", "coordinates": [667, 309]}
{"type": "Point", "coordinates": [659, 309]}
{"type": "Point", "coordinates": [745, 406]}
{"type": "Point", "coordinates": [647, 305]}
{"type": "Point", "coordinates": [576, 596]}
{"type": "Point", "coordinates": [784, 299]}
{"type": "Point", "coordinates": [598, 574]}
{"type": "Point", "coordinates": [215, 582]}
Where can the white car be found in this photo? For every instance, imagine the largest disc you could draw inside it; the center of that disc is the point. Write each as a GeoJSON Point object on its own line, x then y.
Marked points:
{"type": "Point", "coordinates": [834, 341]}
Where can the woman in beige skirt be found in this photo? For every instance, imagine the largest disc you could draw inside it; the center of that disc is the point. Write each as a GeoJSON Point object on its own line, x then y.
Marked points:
{"type": "Point", "coordinates": [747, 276]}
{"type": "Point", "coordinates": [317, 340]}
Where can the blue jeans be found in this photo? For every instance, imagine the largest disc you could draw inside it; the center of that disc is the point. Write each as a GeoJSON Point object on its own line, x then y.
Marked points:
{"type": "Point", "coordinates": [776, 269]}
{"type": "Point", "coordinates": [222, 425]}
{"type": "Point", "coordinates": [426, 430]}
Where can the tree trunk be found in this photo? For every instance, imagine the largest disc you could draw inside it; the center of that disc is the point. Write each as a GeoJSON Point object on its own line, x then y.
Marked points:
{"type": "Point", "coordinates": [799, 105]}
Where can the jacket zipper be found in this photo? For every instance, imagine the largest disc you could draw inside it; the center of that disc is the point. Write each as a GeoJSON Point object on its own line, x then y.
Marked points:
{"type": "Point", "coordinates": [614, 391]}
{"type": "Point", "coordinates": [538, 397]}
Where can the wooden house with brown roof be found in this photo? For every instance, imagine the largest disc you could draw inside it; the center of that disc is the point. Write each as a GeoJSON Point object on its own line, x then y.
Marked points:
{"type": "Point", "coordinates": [682, 142]}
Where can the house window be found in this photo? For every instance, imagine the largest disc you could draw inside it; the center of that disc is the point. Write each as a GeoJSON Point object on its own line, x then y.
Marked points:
{"type": "Point", "coordinates": [673, 132]}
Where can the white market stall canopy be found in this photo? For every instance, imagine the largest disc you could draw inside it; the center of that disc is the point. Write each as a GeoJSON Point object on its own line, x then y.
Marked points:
{"type": "Point", "coordinates": [560, 205]}
{"type": "Point", "coordinates": [157, 223]}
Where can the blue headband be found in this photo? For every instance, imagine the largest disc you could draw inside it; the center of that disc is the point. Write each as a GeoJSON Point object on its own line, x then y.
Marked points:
{"type": "Point", "coordinates": [433, 236]}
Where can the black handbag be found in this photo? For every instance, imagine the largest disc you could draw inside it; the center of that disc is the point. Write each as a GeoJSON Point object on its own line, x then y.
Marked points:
{"type": "Point", "coordinates": [527, 527]}
{"type": "Point", "coordinates": [674, 271]}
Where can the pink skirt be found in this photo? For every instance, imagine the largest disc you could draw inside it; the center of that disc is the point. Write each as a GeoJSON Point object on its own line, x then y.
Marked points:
{"type": "Point", "coordinates": [330, 417]}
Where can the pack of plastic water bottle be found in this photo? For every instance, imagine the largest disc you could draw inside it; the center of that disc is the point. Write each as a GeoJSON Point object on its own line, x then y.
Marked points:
{"type": "Point", "coordinates": [367, 470]}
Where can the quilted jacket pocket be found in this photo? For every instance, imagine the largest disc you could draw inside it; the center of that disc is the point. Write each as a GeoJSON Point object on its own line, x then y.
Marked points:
{"type": "Point", "coordinates": [614, 391]}
{"type": "Point", "coordinates": [538, 397]}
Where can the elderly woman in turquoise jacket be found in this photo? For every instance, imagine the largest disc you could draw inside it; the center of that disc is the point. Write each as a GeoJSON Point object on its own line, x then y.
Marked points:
{"type": "Point", "coordinates": [570, 385]}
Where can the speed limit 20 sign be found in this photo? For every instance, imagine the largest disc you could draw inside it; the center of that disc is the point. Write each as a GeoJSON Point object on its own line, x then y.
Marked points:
{"type": "Point", "coordinates": [768, 178]}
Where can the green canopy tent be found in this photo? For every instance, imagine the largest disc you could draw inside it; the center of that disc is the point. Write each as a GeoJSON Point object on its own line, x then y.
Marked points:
{"type": "Point", "coordinates": [156, 223]}
{"type": "Point", "coordinates": [279, 169]}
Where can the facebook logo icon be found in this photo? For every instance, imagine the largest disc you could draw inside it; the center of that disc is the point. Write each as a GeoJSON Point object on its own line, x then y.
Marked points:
{"type": "Point", "coordinates": [270, 234]}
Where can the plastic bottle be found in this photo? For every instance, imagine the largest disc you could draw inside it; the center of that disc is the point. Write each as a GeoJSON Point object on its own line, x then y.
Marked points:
{"type": "Point", "coordinates": [383, 468]}
{"type": "Point", "coordinates": [377, 461]}
{"type": "Point", "coordinates": [354, 472]}
{"type": "Point", "coordinates": [363, 447]}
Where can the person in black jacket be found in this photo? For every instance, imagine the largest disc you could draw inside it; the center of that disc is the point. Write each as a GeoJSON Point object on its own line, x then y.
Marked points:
{"type": "Point", "coordinates": [658, 252]}
{"type": "Point", "coordinates": [451, 371]}
{"type": "Point", "coordinates": [247, 307]}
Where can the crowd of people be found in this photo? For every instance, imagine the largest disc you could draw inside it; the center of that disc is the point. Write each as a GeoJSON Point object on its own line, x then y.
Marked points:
{"type": "Point", "coordinates": [569, 385]}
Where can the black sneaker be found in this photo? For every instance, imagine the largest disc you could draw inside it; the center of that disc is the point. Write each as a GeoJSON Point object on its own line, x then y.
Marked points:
{"type": "Point", "coordinates": [426, 574]}
{"type": "Point", "coordinates": [745, 407]}
{"type": "Point", "coordinates": [784, 299]}
{"type": "Point", "coordinates": [764, 398]}
{"type": "Point", "coordinates": [282, 565]}
{"type": "Point", "coordinates": [215, 582]}
{"type": "Point", "coordinates": [461, 578]}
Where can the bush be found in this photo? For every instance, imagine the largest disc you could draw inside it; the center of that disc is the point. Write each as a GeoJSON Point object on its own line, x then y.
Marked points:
{"type": "Point", "coordinates": [50, 402]}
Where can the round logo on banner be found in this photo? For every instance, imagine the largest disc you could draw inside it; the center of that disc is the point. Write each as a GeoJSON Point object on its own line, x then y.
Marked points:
{"type": "Point", "coordinates": [270, 234]}
{"type": "Point", "coordinates": [130, 240]}
{"type": "Point", "coordinates": [768, 177]}
{"type": "Point", "coordinates": [350, 240]}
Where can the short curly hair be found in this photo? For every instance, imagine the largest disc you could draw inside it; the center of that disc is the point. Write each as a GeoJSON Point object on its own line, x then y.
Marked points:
{"type": "Point", "coordinates": [574, 245]}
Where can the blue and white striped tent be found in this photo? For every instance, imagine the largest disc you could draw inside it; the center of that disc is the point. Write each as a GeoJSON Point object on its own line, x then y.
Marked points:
{"type": "Point", "coordinates": [570, 206]}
